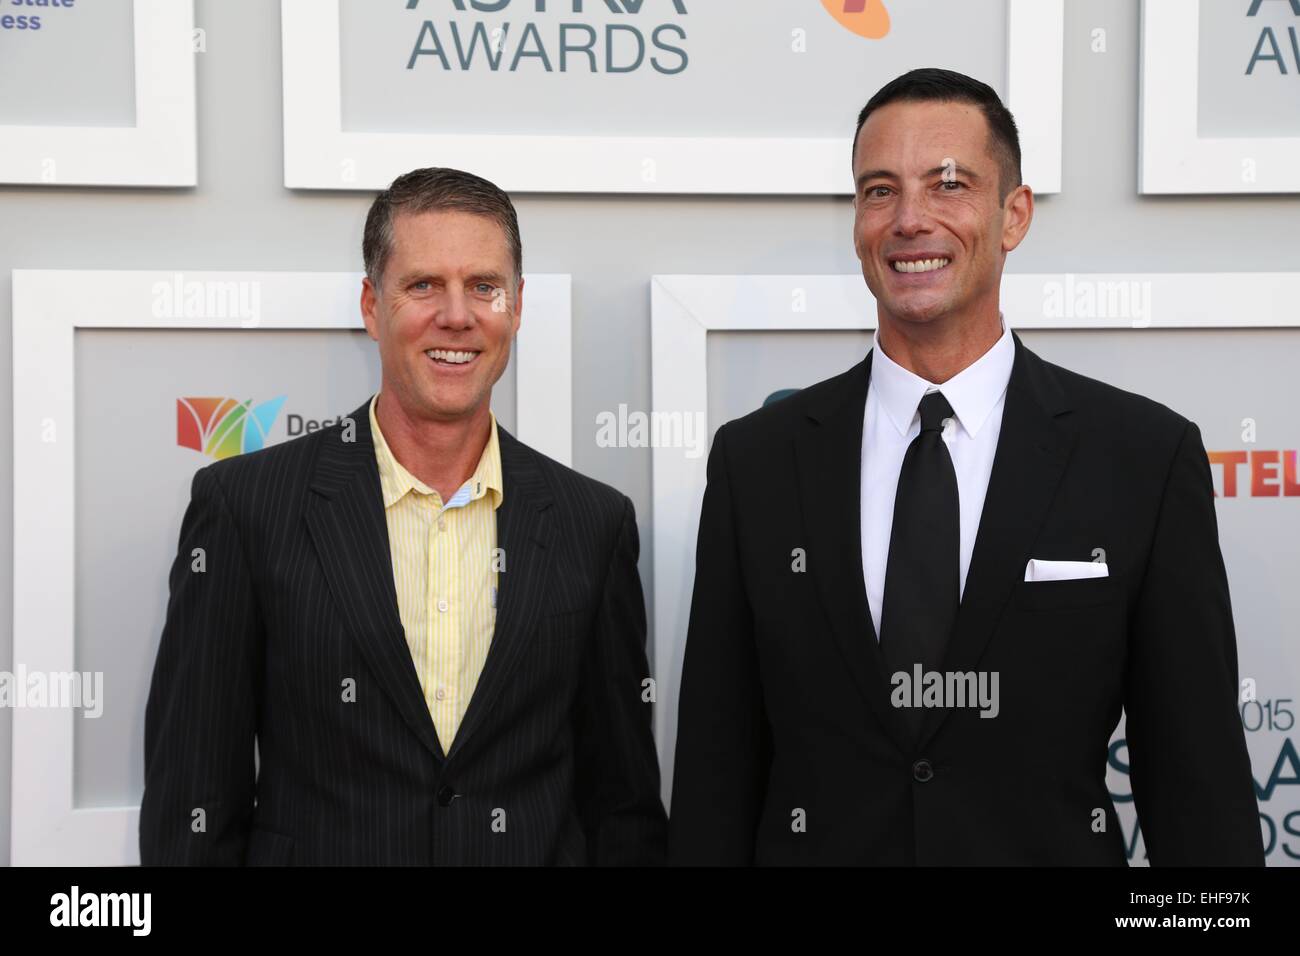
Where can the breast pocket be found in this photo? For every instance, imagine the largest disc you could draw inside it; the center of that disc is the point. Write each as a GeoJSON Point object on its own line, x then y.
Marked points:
{"type": "Point", "coordinates": [1067, 595]}
{"type": "Point", "coordinates": [558, 647]}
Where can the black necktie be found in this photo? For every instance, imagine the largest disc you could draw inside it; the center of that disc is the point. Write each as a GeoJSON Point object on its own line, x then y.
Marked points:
{"type": "Point", "coordinates": [922, 590]}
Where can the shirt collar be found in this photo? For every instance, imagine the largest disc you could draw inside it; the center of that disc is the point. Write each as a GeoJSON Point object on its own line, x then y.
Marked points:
{"type": "Point", "coordinates": [395, 481]}
{"type": "Point", "coordinates": [972, 392]}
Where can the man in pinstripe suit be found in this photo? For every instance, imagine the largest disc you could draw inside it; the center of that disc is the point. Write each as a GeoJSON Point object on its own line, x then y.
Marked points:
{"type": "Point", "coordinates": [434, 635]}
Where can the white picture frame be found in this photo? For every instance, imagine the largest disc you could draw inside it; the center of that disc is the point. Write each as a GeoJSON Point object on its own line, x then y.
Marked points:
{"type": "Point", "coordinates": [160, 150]}
{"type": "Point", "coordinates": [47, 828]}
{"type": "Point", "coordinates": [686, 308]}
{"type": "Point", "coordinates": [1174, 158]}
{"type": "Point", "coordinates": [318, 154]}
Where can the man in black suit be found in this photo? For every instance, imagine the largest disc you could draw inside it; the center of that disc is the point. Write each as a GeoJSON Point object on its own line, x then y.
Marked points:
{"type": "Point", "coordinates": [434, 634]}
{"type": "Point", "coordinates": [926, 588]}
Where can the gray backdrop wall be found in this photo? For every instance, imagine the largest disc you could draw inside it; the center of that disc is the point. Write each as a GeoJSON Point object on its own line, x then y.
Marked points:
{"type": "Point", "coordinates": [241, 217]}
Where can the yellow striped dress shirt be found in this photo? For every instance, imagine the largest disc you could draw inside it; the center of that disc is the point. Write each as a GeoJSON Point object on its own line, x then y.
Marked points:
{"type": "Point", "coordinates": [445, 571]}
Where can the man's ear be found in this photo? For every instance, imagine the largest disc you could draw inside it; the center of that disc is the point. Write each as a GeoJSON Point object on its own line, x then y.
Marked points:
{"type": "Point", "coordinates": [369, 301]}
{"type": "Point", "coordinates": [519, 306]}
{"type": "Point", "coordinates": [1017, 214]}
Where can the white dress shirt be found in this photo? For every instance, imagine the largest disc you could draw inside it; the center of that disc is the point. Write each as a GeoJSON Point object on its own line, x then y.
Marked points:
{"type": "Point", "coordinates": [977, 395]}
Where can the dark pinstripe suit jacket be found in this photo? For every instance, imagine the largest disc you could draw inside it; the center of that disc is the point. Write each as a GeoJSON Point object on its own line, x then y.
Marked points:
{"type": "Point", "coordinates": [554, 762]}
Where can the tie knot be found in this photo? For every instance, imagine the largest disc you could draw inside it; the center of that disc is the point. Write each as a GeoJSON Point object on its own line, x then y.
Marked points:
{"type": "Point", "coordinates": [934, 408]}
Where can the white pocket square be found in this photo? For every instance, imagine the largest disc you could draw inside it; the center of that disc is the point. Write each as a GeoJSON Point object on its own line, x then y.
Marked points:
{"type": "Point", "coordinates": [1039, 570]}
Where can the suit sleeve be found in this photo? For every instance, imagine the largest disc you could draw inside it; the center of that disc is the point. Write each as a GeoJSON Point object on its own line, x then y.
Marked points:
{"type": "Point", "coordinates": [723, 741]}
{"type": "Point", "coordinates": [617, 769]}
{"type": "Point", "coordinates": [1191, 775]}
{"type": "Point", "coordinates": [201, 718]}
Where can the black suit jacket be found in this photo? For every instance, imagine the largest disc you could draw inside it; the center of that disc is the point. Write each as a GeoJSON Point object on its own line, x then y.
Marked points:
{"type": "Point", "coordinates": [296, 603]}
{"type": "Point", "coordinates": [785, 700]}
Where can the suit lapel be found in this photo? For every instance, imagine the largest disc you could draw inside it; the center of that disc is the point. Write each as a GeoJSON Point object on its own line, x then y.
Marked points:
{"type": "Point", "coordinates": [829, 454]}
{"type": "Point", "coordinates": [523, 534]}
{"type": "Point", "coordinates": [1033, 448]}
{"type": "Point", "coordinates": [345, 518]}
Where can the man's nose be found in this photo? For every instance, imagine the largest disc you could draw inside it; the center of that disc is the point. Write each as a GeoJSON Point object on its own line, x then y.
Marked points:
{"type": "Point", "coordinates": [912, 213]}
{"type": "Point", "coordinates": [454, 311]}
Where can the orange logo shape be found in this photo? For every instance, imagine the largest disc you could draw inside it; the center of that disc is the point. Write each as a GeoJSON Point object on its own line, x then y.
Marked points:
{"type": "Point", "coordinates": [866, 18]}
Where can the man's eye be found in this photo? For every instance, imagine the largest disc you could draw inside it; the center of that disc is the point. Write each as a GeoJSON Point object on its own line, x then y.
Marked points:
{"type": "Point", "coordinates": [952, 182]}
{"type": "Point", "coordinates": [421, 286]}
{"type": "Point", "coordinates": [876, 192]}
{"type": "Point", "coordinates": [485, 288]}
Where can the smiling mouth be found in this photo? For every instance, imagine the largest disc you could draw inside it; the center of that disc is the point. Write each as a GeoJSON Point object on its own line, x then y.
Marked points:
{"type": "Point", "coordinates": [451, 358]}
{"type": "Point", "coordinates": [919, 265]}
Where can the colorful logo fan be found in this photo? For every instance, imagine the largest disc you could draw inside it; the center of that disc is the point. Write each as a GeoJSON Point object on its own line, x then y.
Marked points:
{"type": "Point", "coordinates": [223, 427]}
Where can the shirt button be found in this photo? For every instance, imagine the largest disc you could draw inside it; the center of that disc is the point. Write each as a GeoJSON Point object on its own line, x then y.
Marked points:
{"type": "Point", "coordinates": [442, 605]}
{"type": "Point", "coordinates": [442, 525]}
{"type": "Point", "coordinates": [922, 772]}
{"type": "Point", "coordinates": [440, 693]}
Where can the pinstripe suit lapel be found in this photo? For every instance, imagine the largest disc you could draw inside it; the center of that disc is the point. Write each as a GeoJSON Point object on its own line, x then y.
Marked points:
{"type": "Point", "coordinates": [345, 518]}
{"type": "Point", "coordinates": [523, 535]}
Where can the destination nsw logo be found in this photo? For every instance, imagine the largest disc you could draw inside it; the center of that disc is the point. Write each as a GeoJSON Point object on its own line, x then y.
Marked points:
{"type": "Point", "coordinates": [550, 36]}
{"type": "Point", "coordinates": [223, 427]}
{"type": "Point", "coordinates": [866, 18]}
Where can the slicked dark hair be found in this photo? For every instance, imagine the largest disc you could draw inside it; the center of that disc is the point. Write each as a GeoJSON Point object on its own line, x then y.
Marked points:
{"type": "Point", "coordinates": [934, 85]}
{"type": "Point", "coordinates": [436, 188]}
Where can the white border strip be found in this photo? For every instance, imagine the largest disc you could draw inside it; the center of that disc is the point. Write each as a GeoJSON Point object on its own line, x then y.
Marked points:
{"type": "Point", "coordinates": [1174, 158]}
{"type": "Point", "coordinates": [1036, 89]}
{"type": "Point", "coordinates": [160, 150]}
{"type": "Point", "coordinates": [318, 154]}
{"type": "Point", "coordinates": [48, 306]}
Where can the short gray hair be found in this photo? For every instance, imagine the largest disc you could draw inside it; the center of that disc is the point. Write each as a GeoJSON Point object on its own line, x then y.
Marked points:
{"type": "Point", "coordinates": [436, 188]}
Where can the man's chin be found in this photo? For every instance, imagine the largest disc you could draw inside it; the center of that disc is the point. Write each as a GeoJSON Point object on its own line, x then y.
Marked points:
{"type": "Point", "coordinates": [916, 311]}
{"type": "Point", "coordinates": [450, 408]}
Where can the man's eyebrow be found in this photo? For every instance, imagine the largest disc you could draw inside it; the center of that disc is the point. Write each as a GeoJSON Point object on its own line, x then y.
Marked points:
{"type": "Point", "coordinates": [425, 275]}
{"type": "Point", "coordinates": [875, 174]}
{"type": "Point", "coordinates": [414, 275]}
{"type": "Point", "coordinates": [956, 167]}
{"type": "Point", "coordinates": [935, 171]}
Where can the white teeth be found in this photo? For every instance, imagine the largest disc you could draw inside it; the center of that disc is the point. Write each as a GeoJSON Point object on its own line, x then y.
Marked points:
{"type": "Point", "coordinates": [455, 358]}
{"type": "Point", "coordinates": [922, 265]}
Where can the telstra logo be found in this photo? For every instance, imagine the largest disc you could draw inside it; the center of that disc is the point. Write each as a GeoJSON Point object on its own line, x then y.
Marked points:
{"type": "Point", "coordinates": [223, 427]}
{"type": "Point", "coordinates": [866, 18]}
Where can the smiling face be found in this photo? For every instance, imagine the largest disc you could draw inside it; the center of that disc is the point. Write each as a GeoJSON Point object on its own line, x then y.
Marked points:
{"type": "Point", "coordinates": [448, 309]}
{"type": "Point", "coordinates": [929, 227]}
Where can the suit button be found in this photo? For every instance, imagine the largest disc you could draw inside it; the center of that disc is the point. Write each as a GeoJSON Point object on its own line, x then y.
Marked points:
{"type": "Point", "coordinates": [922, 771]}
{"type": "Point", "coordinates": [445, 796]}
